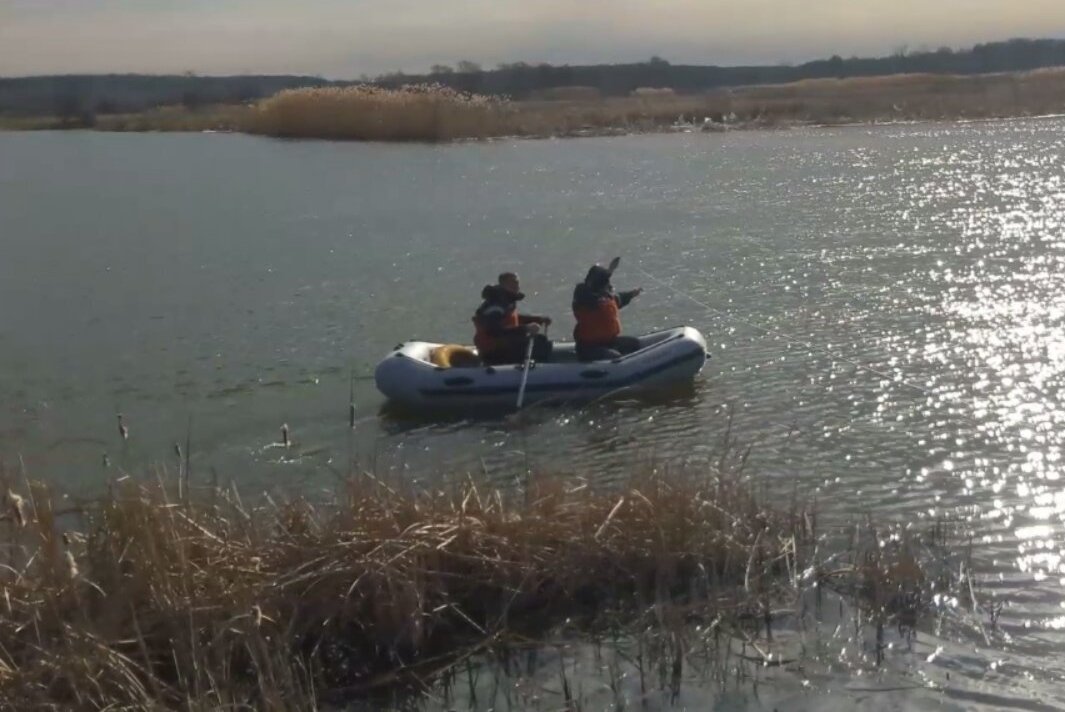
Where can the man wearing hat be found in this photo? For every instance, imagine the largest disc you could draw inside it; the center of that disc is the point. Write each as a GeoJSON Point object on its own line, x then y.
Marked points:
{"type": "Point", "coordinates": [596, 307]}
{"type": "Point", "coordinates": [501, 332]}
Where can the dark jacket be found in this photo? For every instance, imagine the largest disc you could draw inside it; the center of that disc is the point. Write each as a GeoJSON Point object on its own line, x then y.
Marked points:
{"type": "Point", "coordinates": [595, 288]}
{"type": "Point", "coordinates": [585, 297]}
{"type": "Point", "coordinates": [495, 317]}
{"type": "Point", "coordinates": [595, 307]}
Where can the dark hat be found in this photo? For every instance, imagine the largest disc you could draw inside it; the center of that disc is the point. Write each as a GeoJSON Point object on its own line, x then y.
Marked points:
{"type": "Point", "coordinates": [497, 293]}
{"type": "Point", "coordinates": [597, 277]}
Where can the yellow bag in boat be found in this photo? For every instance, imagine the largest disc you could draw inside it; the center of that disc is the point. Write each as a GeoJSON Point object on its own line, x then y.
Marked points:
{"type": "Point", "coordinates": [454, 356]}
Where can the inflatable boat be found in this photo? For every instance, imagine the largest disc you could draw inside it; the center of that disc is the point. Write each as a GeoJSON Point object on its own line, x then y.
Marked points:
{"type": "Point", "coordinates": [424, 375]}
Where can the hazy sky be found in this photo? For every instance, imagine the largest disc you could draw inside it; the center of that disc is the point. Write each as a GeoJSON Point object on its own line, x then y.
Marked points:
{"type": "Point", "coordinates": [343, 38]}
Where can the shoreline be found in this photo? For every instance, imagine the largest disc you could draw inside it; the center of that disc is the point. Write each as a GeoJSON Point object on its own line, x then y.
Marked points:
{"type": "Point", "coordinates": [433, 114]}
{"type": "Point", "coordinates": [47, 125]}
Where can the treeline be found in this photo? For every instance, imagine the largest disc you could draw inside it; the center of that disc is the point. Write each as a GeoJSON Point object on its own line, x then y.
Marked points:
{"type": "Point", "coordinates": [77, 97]}
{"type": "Point", "coordinates": [80, 97]}
{"type": "Point", "coordinates": [521, 80]}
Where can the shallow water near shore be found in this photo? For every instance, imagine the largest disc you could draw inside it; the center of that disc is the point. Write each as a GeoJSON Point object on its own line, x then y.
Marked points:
{"type": "Point", "coordinates": [883, 307]}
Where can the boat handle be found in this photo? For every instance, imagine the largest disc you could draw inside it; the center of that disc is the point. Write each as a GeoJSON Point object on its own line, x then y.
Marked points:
{"type": "Point", "coordinates": [458, 381]}
{"type": "Point", "coordinates": [593, 373]}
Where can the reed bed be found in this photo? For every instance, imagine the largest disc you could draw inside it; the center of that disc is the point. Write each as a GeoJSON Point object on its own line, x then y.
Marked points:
{"type": "Point", "coordinates": [368, 113]}
{"type": "Point", "coordinates": [150, 598]}
{"type": "Point", "coordinates": [911, 97]}
{"type": "Point", "coordinates": [434, 113]}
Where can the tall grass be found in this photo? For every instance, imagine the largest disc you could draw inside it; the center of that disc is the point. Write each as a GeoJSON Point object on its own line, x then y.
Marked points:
{"type": "Point", "coordinates": [154, 600]}
{"type": "Point", "coordinates": [435, 113]}
{"type": "Point", "coordinates": [912, 97]}
{"type": "Point", "coordinates": [367, 113]}
{"type": "Point", "coordinates": [148, 599]}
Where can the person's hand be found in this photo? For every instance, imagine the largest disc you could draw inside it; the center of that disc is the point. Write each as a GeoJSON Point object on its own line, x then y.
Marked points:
{"type": "Point", "coordinates": [637, 292]}
{"type": "Point", "coordinates": [533, 329]}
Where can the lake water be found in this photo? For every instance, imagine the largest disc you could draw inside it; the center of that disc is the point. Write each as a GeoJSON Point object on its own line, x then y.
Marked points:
{"type": "Point", "coordinates": [883, 306]}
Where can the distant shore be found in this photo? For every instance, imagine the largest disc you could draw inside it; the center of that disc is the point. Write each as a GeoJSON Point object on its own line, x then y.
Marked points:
{"type": "Point", "coordinates": [437, 114]}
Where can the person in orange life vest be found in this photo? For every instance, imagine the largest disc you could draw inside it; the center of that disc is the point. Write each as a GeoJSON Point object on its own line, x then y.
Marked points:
{"type": "Point", "coordinates": [502, 334]}
{"type": "Point", "coordinates": [596, 306]}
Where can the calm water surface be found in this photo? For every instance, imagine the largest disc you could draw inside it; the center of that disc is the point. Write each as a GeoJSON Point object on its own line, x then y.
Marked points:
{"type": "Point", "coordinates": [884, 308]}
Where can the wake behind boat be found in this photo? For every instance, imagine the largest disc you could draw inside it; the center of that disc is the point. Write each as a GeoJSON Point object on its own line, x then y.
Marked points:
{"type": "Point", "coordinates": [421, 374]}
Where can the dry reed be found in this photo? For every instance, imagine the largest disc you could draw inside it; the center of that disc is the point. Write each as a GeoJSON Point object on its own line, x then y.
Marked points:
{"type": "Point", "coordinates": [435, 113]}
{"type": "Point", "coordinates": [148, 600]}
{"type": "Point", "coordinates": [367, 113]}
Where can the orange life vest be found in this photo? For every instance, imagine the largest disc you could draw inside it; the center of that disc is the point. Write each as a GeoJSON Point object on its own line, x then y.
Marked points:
{"type": "Point", "coordinates": [598, 325]}
{"type": "Point", "coordinates": [485, 342]}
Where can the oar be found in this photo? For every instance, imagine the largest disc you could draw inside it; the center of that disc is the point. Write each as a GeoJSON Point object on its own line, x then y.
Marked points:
{"type": "Point", "coordinates": [525, 371]}
{"type": "Point", "coordinates": [613, 265]}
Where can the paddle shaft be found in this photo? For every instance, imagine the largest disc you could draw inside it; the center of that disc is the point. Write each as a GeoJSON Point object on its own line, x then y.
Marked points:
{"type": "Point", "coordinates": [525, 371]}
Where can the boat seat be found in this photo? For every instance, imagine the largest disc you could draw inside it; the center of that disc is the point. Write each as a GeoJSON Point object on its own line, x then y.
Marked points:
{"type": "Point", "coordinates": [454, 356]}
